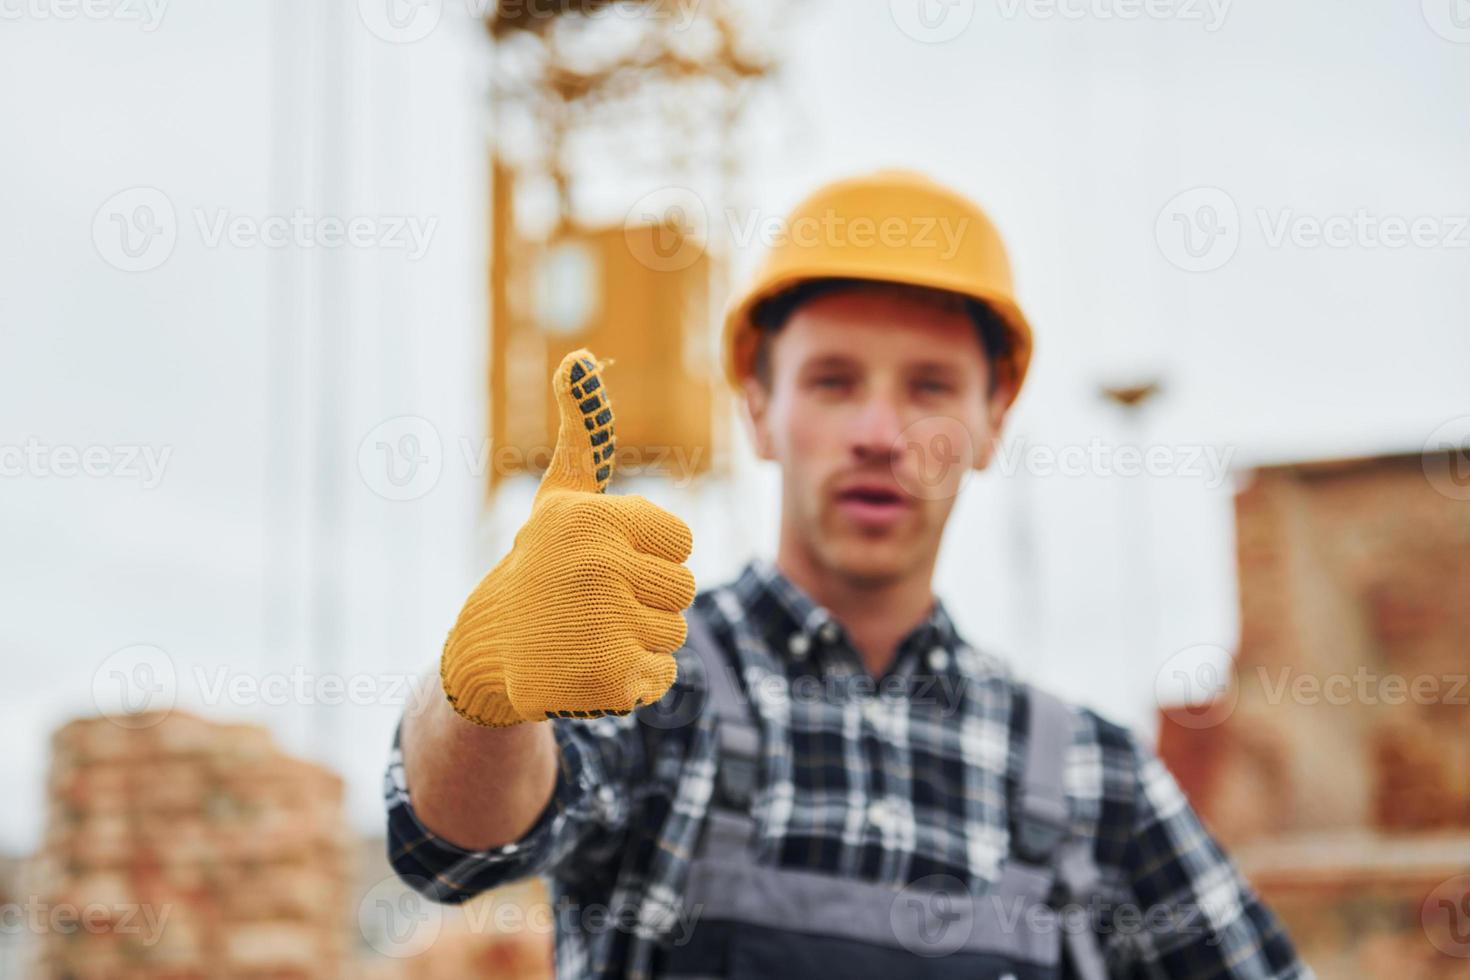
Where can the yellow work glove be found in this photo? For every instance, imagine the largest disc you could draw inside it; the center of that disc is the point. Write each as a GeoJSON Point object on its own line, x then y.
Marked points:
{"type": "Point", "coordinates": [581, 618]}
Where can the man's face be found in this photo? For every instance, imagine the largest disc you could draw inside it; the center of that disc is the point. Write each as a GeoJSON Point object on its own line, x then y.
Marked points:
{"type": "Point", "coordinates": [871, 394]}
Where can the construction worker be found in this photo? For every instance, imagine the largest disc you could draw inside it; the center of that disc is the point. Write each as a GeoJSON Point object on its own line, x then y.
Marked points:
{"type": "Point", "coordinates": [809, 773]}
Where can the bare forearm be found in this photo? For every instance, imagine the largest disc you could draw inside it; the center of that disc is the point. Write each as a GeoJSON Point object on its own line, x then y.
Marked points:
{"type": "Point", "coordinates": [474, 786]}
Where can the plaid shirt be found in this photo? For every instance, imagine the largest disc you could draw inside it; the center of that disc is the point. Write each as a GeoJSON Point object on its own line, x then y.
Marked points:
{"type": "Point", "coordinates": [886, 780]}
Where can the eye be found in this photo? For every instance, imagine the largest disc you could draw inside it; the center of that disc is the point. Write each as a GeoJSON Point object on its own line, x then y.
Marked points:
{"type": "Point", "coordinates": [934, 386]}
{"type": "Point", "coordinates": [831, 382]}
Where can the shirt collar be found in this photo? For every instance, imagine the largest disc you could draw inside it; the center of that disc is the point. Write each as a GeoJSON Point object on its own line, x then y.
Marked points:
{"type": "Point", "coordinates": [763, 586]}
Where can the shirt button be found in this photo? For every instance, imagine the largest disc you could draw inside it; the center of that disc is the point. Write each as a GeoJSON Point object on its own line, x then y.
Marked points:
{"type": "Point", "coordinates": [510, 848]}
{"type": "Point", "coordinates": [828, 632]}
{"type": "Point", "coordinates": [799, 644]}
{"type": "Point", "coordinates": [878, 814]}
{"type": "Point", "coordinates": [938, 659]}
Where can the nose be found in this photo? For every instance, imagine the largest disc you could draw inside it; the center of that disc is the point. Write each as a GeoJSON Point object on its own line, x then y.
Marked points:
{"type": "Point", "coordinates": [875, 428]}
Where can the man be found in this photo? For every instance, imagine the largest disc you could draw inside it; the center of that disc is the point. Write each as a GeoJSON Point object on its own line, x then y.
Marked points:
{"type": "Point", "coordinates": [835, 784]}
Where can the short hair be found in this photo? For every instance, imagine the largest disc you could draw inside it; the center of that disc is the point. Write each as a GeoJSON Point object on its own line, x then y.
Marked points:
{"type": "Point", "coordinates": [771, 314]}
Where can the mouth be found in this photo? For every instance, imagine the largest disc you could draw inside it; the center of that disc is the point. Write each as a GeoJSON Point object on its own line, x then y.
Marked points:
{"type": "Point", "coordinates": [872, 505]}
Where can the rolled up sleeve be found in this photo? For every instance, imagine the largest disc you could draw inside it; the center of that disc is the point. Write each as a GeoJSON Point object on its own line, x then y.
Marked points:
{"type": "Point", "coordinates": [1204, 918]}
{"type": "Point", "coordinates": [599, 759]}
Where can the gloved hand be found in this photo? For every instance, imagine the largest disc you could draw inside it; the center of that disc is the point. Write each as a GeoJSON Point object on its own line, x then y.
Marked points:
{"type": "Point", "coordinates": [581, 618]}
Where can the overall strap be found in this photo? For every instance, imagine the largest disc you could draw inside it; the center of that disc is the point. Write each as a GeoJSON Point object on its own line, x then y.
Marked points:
{"type": "Point", "coordinates": [1041, 833]}
{"type": "Point", "coordinates": [730, 828]}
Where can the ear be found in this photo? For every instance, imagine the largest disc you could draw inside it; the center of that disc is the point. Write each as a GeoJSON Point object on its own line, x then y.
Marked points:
{"type": "Point", "coordinates": [997, 407]}
{"type": "Point", "coordinates": [757, 406]}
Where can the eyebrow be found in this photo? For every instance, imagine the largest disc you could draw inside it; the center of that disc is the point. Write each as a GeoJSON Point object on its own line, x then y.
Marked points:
{"type": "Point", "coordinates": [829, 361]}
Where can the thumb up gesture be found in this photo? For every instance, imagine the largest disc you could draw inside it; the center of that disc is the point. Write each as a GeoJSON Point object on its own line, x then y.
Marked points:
{"type": "Point", "coordinates": [581, 618]}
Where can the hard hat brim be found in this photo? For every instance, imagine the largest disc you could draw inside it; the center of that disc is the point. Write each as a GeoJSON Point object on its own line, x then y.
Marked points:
{"type": "Point", "coordinates": [742, 336]}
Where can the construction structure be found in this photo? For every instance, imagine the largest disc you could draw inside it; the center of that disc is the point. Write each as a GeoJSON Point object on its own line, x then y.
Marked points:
{"type": "Point", "coordinates": [1336, 766]}
{"type": "Point", "coordinates": [617, 147]}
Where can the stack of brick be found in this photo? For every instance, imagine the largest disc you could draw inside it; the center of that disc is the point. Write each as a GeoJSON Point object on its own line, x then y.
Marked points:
{"type": "Point", "coordinates": [1338, 765]}
{"type": "Point", "coordinates": [181, 848]}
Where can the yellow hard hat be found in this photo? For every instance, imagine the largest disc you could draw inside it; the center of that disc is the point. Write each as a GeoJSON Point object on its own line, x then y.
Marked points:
{"type": "Point", "coordinates": [891, 226]}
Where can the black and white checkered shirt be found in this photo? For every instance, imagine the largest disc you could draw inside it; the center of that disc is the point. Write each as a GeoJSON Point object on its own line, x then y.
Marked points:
{"type": "Point", "coordinates": [884, 780]}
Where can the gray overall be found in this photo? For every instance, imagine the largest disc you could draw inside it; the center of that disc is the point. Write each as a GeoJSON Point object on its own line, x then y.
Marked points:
{"type": "Point", "coordinates": [754, 921]}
